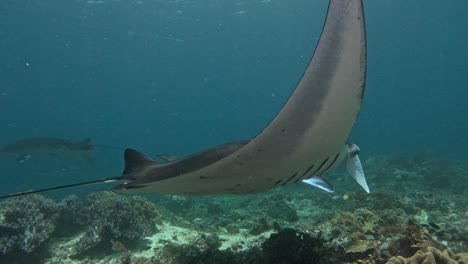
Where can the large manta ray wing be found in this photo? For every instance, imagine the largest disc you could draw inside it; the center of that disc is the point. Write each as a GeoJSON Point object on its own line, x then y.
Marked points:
{"type": "Point", "coordinates": [309, 133]}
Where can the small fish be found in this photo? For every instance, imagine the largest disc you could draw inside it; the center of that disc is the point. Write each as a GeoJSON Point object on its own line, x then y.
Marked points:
{"type": "Point", "coordinates": [23, 158]}
{"type": "Point", "coordinates": [306, 139]}
{"type": "Point", "coordinates": [434, 225]}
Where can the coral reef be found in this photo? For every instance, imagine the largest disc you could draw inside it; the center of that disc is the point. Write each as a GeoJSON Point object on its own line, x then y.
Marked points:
{"type": "Point", "coordinates": [121, 217]}
{"type": "Point", "coordinates": [229, 214]}
{"type": "Point", "coordinates": [280, 210]}
{"type": "Point", "coordinates": [400, 221]}
{"type": "Point", "coordinates": [413, 169]}
{"type": "Point", "coordinates": [295, 247]}
{"type": "Point", "coordinates": [204, 249]}
{"type": "Point", "coordinates": [107, 216]}
{"type": "Point", "coordinates": [26, 223]}
{"type": "Point", "coordinates": [431, 255]}
{"type": "Point", "coordinates": [287, 246]}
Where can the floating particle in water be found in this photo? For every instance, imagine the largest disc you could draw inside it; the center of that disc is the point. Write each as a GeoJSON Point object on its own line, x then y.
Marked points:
{"type": "Point", "coordinates": [240, 13]}
{"type": "Point", "coordinates": [95, 2]}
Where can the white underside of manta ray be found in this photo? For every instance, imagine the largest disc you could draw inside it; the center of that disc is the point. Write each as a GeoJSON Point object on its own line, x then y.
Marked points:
{"type": "Point", "coordinates": [306, 139]}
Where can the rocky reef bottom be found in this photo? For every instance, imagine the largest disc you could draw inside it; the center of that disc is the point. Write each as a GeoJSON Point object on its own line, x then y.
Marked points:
{"type": "Point", "coordinates": [416, 213]}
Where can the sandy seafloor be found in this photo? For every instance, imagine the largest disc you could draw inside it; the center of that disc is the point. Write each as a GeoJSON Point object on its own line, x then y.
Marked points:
{"type": "Point", "coordinates": [416, 212]}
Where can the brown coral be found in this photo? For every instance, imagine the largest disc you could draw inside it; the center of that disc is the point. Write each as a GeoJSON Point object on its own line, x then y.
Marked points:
{"type": "Point", "coordinates": [431, 255]}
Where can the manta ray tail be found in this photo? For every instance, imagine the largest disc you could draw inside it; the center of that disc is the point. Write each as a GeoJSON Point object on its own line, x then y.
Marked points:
{"type": "Point", "coordinates": [107, 180]}
{"type": "Point", "coordinates": [133, 161]}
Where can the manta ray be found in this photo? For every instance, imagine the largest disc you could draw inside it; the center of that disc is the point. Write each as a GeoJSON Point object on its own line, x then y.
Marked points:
{"type": "Point", "coordinates": [27, 148]}
{"type": "Point", "coordinates": [306, 139]}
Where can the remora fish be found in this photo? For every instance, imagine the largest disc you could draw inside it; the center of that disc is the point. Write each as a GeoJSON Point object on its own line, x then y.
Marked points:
{"type": "Point", "coordinates": [306, 139]}
{"type": "Point", "coordinates": [25, 149]}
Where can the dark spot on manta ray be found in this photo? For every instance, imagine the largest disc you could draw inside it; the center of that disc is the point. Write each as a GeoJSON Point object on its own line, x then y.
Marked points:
{"type": "Point", "coordinates": [333, 162]}
{"type": "Point", "coordinates": [277, 182]}
{"type": "Point", "coordinates": [259, 150]}
{"type": "Point", "coordinates": [238, 156]}
{"type": "Point", "coordinates": [241, 163]}
{"type": "Point", "coordinates": [311, 166]}
{"type": "Point", "coordinates": [297, 179]}
{"type": "Point", "coordinates": [134, 187]}
{"type": "Point", "coordinates": [303, 177]}
{"type": "Point", "coordinates": [318, 169]}
{"type": "Point", "coordinates": [203, 177]}
{"type": "Point", "coordinates": [238, 185]}
{"type": "Point", "coordinates": [283, 130]}
{"type": "Point", "coordinates": [290, 178]}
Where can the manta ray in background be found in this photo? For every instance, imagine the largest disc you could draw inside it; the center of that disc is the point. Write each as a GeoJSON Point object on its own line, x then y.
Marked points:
{"type": "Point", "coordinates": [306, 139]}
{"type": "Point", "coordinates": [25, 149]}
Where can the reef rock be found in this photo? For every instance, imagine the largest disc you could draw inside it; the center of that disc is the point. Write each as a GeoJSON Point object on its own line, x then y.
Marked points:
{"type": "Point", "coordinates": [107, 216]}
{"type": "Point", "coordinates": [431, 255]}
{"type": "Point", "coordinates": [26, 223]}
{"type": "Point", "coordinates": [290, 246]}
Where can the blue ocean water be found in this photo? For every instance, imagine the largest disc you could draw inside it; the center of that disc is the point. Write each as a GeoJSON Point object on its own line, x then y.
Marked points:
{"type": "Point", "coordinates": [179, 76]}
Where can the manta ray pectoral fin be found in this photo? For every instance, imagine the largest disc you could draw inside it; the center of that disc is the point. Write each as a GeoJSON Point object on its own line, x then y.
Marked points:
{"type": "Point", "coordinates": [135, 160]}
{"type": "Point", "coordinates": [320, 183]}
{"type": "Point", "coordinates": [354, 167]}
